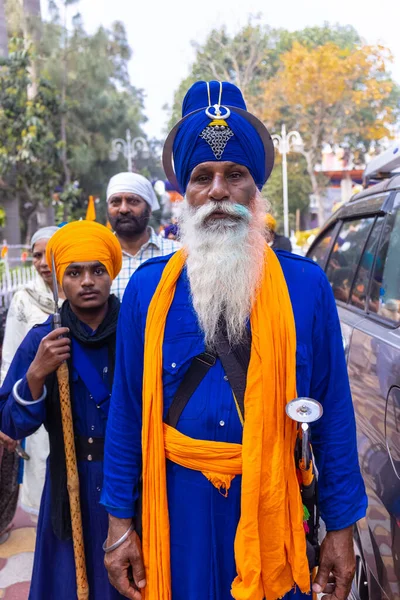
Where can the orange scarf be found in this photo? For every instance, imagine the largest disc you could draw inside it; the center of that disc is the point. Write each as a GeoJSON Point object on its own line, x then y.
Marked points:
{"type": "Point", "coordinates": [270, 548]}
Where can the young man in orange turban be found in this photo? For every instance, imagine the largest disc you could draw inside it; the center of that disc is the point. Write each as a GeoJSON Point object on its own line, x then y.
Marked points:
{"type": "Point", "coordinates": [222, 512]}
{"type": "Point", "coordinates": [87, 259]}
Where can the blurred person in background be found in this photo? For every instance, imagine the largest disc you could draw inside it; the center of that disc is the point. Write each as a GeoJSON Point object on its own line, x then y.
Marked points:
{"type": "Point", "coordinates": [171, 231]}
{"type": "Point", "coordinates": [30, 306]}
{"type": "Point", "coordinates": [130, 202]}
{"type": "Point", "coordinates": [277, 241]}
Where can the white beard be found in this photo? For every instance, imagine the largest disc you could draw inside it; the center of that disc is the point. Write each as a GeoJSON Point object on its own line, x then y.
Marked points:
{"type": "Point", "coordinates": [225, 264]}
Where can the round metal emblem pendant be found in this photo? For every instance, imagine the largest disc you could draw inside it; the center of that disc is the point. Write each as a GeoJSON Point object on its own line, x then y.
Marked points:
{"type": "Point", "coordinates": [217, 113]}
{"type": "Point", "coordinates": [304, 410]}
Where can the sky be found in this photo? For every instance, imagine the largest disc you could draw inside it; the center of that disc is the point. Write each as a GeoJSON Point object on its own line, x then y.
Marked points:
{"type": "Point", "coordinates": [160, 33]}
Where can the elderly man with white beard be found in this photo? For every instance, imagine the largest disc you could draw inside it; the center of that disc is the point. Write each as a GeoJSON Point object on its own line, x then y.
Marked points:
{"type": "Point", "coordinates": [213, 342]}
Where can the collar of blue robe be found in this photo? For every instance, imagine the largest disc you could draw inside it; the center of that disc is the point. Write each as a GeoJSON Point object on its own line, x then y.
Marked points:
{"type": "Point", "coordinates": [216, 125]}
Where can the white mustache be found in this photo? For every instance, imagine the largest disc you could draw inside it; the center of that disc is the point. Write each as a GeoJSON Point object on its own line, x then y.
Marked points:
{"type": "Point", "coordinates": [199, 215]}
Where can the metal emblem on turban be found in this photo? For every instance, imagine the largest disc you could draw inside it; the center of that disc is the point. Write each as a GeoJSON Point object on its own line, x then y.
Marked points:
{"type": "Point", "coordinates": [217, 114]}
{"type": "Point", "coordinates": [217, 134]}
{"type": "Point", "coordinates": [217, 137]}
{"type": "Point", "coordinates": [214, 111]}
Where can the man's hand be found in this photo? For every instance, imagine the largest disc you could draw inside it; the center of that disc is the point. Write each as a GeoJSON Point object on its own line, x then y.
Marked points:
{"type": "Point", "coordinates": [8, 443]}
{"type": "Point", "coordinates": [125, 562]}
{"type": "Point", "coordinates": [52, 352]}
{"type": "Point", "coordinates": [337, 565]}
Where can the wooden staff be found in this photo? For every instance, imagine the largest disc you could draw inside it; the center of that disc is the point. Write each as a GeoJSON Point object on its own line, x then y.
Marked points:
{"type": "Point", "coordinates": [82, 586]}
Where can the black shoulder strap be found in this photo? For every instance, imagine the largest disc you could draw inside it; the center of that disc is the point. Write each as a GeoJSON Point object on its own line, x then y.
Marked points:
{"type": "Point", "coordinates": [235, 363]}
{"type": "Point", "coordinates": [198, 369]}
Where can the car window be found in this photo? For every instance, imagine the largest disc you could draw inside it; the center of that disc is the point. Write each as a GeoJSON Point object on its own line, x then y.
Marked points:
{"type": "Point", "coordinates": [320, 251]}
{"type": "Point", "coordinates": [385, 301]}
{"type": "Point", "coordinates": [359, 291]}
{"type": "Point", "coordinates": [346, 255]}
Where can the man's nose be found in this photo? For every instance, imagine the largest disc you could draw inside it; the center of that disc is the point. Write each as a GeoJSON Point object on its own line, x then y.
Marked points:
{"type": "Point", "coordinates": [87, 280]}
{"type": "Point", "coordinates": [43, 262]}
{"type": "Point", "coordinates": [219, 189]}
{"type": "Point", "coordinates": [124, 207]}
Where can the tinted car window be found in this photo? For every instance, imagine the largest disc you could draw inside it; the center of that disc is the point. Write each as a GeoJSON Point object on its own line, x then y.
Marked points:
{"type": "Point", "coordinates": [386, 302]}
{"type": "Point", "coordinates": [346, 255]}
{"type": "Point", "coordinates": [320, 251]}
{"type": "Point", "coordinates": [360, 288]}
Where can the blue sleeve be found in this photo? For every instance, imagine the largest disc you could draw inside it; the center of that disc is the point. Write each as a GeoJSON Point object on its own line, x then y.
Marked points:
{"type": "Point", "coordinates": [19, 421]}
{"type": "Point", "coordinates": [342, 496]}
{"type": "Point", "coordinates": [123, 448]}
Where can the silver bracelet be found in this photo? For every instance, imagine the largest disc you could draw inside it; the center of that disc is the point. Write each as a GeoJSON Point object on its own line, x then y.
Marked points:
{"type": "Point", "coordinates": [23, 402]}
{"type": "Point", "coordinates": [119, 542]}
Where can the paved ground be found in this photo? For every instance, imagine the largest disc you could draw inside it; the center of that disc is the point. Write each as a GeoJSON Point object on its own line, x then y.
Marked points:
{"type": "Point", "coordinates": [16, 558]}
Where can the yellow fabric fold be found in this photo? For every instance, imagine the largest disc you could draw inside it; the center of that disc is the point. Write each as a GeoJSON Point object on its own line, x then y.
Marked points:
{"type": "Point", "coordinates": [270, 547]}
{"type": "Point", "coordinates": [218, 461]}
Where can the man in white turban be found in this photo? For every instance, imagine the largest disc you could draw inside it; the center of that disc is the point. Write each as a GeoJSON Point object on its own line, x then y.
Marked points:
{"type": "Point", "coordinates": [130, 202]}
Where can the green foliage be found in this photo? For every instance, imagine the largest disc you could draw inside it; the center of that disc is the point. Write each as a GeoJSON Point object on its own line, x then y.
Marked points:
{"type": "Point", "coordinates": [91, 74]}
{"type": "Point", "coordinates": [87, 100]}
{"type": "Point", "coordinates": [28, 142]}
{"type": "Point", "coordinates": [343, 36]}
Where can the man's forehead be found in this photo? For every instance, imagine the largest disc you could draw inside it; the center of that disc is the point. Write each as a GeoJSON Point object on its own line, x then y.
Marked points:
{"type": "Point", "coordinates": [126, 195]}
{"type": "Point", "coordinates": [85, 265]}
{"type": "Point", "coordinates": [219, 165]}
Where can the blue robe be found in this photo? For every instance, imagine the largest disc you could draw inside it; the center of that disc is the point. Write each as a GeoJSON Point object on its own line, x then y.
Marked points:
{"type": "Point", "coordinates": [203, 522]}
{"type": "Point", "coordinates": [54, 568]}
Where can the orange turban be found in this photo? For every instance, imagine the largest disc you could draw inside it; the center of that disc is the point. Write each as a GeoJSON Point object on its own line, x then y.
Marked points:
{"type": "Point", "coordinates": [84, 241]}
{"type": "Point", "coordinates": [270, 222]}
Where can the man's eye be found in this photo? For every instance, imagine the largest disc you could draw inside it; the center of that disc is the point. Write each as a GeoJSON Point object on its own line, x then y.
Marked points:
{"type": "Point", "coordinates": [202, 178]}
{"type": "Point", "coordinates": [235, 175]}
{"type": "Point", "coordinates": [73, 273]}
{"type": "Point", "coordinates": [99, 271]}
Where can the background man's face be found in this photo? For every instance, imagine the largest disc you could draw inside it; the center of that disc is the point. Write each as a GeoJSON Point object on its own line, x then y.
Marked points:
{"type": "Point", "coordinates": [86, 284]}
{"type": "Point", "coordinates": [128, 214]}
{"type": "Point", "coordinates": [220, 181]}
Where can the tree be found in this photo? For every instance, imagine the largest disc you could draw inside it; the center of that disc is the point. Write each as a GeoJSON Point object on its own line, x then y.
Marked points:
{"type": "Point", "coordinates": [331, 95]}
{"type": "Point", "coordinates": [343, 36]}
{"type": "Point", "coordinates": [299, 187]}
{"type": "Point", "coordinates": [28, 144]}
{"type": "Point", "coordinates": [97, 98]}
{"type": "Point", "coordinates": [247, 59]}
{"type": "Point", "coordinates": [251, 57]}
{"type": "Point", "coordinates": [94, 101]}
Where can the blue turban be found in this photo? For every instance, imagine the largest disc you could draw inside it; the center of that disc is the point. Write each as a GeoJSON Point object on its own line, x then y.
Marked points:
{"type": "Point", "coordinates": [245, 147]}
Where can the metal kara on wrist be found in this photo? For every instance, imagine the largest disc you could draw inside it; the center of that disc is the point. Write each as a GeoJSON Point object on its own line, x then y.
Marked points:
{"type": "Point", "coordinates": [119, 542]}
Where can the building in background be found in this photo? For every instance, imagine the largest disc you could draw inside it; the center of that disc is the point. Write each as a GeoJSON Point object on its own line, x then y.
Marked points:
{"type": "Point", "coordinates": [344, 175]}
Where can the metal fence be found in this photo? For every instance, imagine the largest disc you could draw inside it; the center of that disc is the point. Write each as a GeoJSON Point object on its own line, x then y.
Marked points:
{"type": "Point", "coordinates": [15, 272]}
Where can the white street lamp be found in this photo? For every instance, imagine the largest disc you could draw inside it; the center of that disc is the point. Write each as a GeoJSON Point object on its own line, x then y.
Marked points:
{"type": "Point", "coordinates": [130, 148]}
{"type": "Point", "coordinates": [284, 143]}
